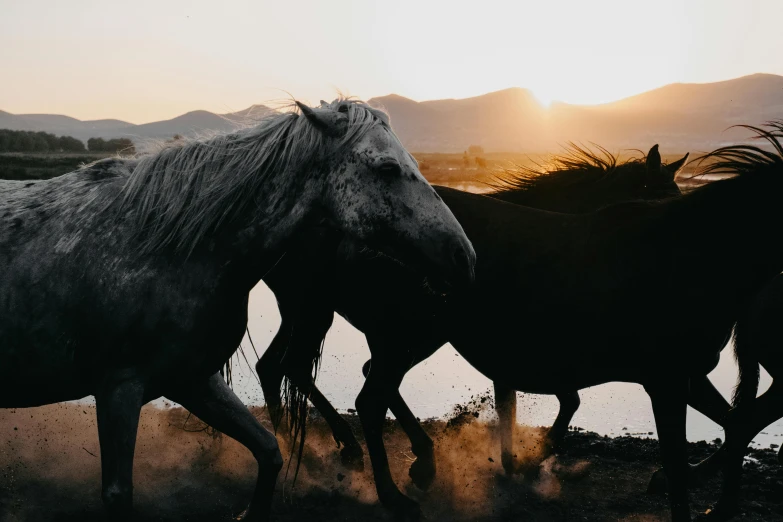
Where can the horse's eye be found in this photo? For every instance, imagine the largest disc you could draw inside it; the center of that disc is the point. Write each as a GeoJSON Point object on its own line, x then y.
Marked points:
{"type": "Point", "coordinates": [390, 168]}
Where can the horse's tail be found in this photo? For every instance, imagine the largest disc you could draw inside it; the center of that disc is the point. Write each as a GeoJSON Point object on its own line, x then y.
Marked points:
{"type": "Point", "coordinates": [302, 359]}
{"type": "Point", "coordinates": [748, 365]}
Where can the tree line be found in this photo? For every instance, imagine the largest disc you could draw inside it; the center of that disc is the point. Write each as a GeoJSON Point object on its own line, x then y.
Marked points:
{"type": "Point", "coordinates": [123, 145]}
{"type": "Point", "coordinates": [30, 141]}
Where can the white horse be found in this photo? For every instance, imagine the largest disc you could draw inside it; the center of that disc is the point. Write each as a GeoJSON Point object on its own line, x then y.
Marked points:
{"type": "Point", "coordinates": [128, 279]}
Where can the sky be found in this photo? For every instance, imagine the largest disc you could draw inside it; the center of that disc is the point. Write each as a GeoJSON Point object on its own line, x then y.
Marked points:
{"type": "Point", "coordinates": [146, 60]}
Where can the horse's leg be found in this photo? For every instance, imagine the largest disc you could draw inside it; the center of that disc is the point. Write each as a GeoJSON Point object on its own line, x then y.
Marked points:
{"type": "Point", "coordinates": [745, 422]}
{"type": "Point", "coordinates": [271, 373]}
{"type": "Point", "coordinates": [569, 403]}
{"type": "Point", "coordinates": [313, 322]}
{"type": "Point", "coordinates": [371, 404]}
{"type": "Point", "coordinates": [352, 454]}
{"type": "Point", "coordinates": [422, 471]}
{"type": "Point", "coordinates": [669, 408]}
{"type": "Point", "coordinates": [706, 399]}
{"type": "Point", "coordinates": [212, 401]}
{"type": "Point", "coordinates": [291, 355]}
{"type": "Point", "coordinates": [506, 408]}
{"type": "Point", "coordinates": [118, 404]}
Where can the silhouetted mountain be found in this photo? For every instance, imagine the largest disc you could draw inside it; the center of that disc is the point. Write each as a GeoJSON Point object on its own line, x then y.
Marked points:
{"type": "Point", "coordinates": [189, 124]}
{"type": "Point", "coordinates": [683, 116]}
{"type": "Point", "coordinates": [678, 116]}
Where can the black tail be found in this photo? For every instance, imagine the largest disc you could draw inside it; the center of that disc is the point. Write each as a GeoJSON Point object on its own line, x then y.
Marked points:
{"type": "Point", "coordinates": [302, 360]}
{"type": "Point", "coordinates": [747, 363]}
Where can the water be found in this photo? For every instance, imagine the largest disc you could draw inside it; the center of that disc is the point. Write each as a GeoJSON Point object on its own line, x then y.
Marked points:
{"type": "Point", "coordinates": [445, 379]}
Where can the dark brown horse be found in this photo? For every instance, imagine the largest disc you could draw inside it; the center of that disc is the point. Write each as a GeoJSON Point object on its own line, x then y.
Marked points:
{"type": "Point", "coordinates": [128, 279]}
{"type": "Point", "coordinates": [577, 182]}
{"type": "Point", "coordinates": [604, 277]}
{"type": "Point", "coordinates": [758, 340]}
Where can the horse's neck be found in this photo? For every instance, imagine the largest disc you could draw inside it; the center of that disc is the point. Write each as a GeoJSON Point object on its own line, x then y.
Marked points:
{"type": "Point", "coordinates": [252, 249]}
{"type": "Point", "coordinates": [503, 232]}
{"type": "Point", "coordinates": [582, 192]}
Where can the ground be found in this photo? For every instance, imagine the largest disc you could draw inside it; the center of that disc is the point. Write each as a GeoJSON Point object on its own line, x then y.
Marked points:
{"type": "Point", "coordinates": [50, 471]}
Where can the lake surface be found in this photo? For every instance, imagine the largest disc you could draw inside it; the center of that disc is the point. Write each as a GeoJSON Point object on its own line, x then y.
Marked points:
{"type": "Point", "coordinates": [445, 379]}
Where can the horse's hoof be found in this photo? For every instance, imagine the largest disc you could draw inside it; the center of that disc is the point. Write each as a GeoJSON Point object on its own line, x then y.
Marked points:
{"type": "Point", "coordinates": [659, 484]}
{"type": "Point", "coordinates": [352, 457]}
{"type": "Point", "coordinates": [422, 473]}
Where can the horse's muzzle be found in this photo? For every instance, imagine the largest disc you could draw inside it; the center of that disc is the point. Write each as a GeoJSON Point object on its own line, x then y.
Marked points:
{"type": "Point", "coordinates": [463, 264]}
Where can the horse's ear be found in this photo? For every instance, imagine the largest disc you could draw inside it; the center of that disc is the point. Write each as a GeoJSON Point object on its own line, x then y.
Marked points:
{"type": "Point", "coordinates": [654, 161]}
{"type": "Point", "coordinates": [327, 121]}
{"type": "Point", "coordinates": [655, 174]}
{"type": "Point", "coordinates": [672, 169]}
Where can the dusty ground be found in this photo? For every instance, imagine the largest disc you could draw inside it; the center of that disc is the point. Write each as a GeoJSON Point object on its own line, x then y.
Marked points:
{"type": "Point", "coordinates": [49, 471]}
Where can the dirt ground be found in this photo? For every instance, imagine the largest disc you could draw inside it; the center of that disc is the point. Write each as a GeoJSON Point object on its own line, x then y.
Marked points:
{"type": "Point", "coordinates": [50, 471]}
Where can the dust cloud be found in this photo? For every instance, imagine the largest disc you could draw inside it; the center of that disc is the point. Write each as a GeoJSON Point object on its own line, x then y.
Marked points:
{"type": "Point", "coordinates": [183, 471]}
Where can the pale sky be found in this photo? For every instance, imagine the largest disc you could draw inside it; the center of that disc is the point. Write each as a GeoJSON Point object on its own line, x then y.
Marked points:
{"type": "Point", "coordinates": [146, 60]}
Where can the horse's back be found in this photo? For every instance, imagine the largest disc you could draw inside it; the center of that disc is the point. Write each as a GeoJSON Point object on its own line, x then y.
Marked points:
{"type": "Point", "coordinates": [41, 262]}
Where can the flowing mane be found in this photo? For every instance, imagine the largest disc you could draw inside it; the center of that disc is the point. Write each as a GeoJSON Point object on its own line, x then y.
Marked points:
{"type": "Point", "coordinates": [748, 159]}
{"type": "Point", "coordinates": [576, 170]}
{"type": "Point", "coordinates": [179, 195]}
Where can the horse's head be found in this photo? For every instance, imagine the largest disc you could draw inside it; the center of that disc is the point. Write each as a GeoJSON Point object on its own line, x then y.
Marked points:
{"type": "Point", "coordinates": [375, 193]}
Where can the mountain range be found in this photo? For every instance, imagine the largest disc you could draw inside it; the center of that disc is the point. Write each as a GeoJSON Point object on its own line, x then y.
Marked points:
{"type": "Point", "coordinates": [679, 116]}
{"type": "Point", "coordinates": [190, 123]}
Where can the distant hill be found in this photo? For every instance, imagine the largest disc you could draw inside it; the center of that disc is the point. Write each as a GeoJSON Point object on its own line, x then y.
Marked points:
{"type": "Point", "coordinates": [191, 123]}
{"type": "Point", "coordinates": [680, 116]}
{"type": "Point", "coordinates": [505, 120]}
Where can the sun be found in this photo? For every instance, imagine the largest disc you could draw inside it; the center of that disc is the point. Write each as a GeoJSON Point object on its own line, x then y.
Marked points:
{"type": "Point", "coordinates": [542, 98]}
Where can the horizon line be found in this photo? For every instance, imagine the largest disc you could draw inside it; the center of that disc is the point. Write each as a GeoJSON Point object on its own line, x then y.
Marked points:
{"type": "Point", "coordinates": [544, 104]}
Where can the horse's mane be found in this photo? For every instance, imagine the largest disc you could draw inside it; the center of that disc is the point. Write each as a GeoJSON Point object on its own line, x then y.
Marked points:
{"type": "Point", "coordinates": [179, 195]}
{"type": "Point", "coordinates": [577, 168]}
{"type": "Point", "coordinates": [748, 159]}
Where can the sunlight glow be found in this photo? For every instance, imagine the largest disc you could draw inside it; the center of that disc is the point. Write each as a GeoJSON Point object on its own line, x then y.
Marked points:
{"type": "Point", "coordinates": [161, 59]}
{"type": "Point", "coordinates": [542, 98]}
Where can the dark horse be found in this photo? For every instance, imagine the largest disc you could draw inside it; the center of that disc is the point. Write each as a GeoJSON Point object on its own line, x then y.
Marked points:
{"type": "Point", "coordinates": [577, 182]}
{"type": "Point", "coordinates": [128, 279]}
{"type": "Point", "coordinates": [758, 339]}
{"type": "Point", "coordinates": [546, 282]}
